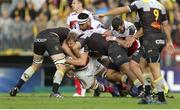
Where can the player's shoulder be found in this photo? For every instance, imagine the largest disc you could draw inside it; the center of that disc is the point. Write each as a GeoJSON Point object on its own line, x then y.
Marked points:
{"type": "Point", "coordinates": [128, 25]}
{"type": "Point", "coordinates": [73, 14]}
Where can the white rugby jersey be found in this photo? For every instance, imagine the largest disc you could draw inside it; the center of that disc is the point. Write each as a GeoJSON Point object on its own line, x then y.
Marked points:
{"type": "Point", "coordinates": [96, 27]}
{"type": "Point", "coordinates": [72, 20]}
{"type": "Point", "coordinates": [130, 29]}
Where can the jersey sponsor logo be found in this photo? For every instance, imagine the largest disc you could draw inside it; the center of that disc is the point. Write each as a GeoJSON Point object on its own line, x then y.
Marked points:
{"type": "Point", "coordinates": [119, 56]}
{"type": "Point", "coordinates": [56, 48]}
{"type": "Point", "coordinates": [156, 25]}
{"type": "Point", "coordinates": [160, 41]}
{"type": "Point", "coordinates": [40, 40]}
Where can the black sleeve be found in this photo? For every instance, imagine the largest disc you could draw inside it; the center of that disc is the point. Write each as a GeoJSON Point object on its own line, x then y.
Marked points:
{"type": "Point", "coordinates": [138, 25]}
{"type": "Point", "coordinates": [136, 5]}
{"type": "Point", "coordinates": [164, 17]}
{"type": "Point", "coordinates": [164, 14]}
{"type": "Point", "coordinates": [82, 41]}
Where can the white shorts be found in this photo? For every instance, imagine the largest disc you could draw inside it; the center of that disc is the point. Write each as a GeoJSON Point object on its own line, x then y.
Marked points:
{"type": "Point", "coordinates": [87, 75]}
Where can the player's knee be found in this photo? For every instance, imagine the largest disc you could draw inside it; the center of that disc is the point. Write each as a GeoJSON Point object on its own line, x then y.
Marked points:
{"type": "Point", "coordinates": [36, 66]}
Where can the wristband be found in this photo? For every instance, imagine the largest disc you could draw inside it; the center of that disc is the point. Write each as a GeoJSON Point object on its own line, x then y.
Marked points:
{"type": "Point", "coordinates": [113, 38]}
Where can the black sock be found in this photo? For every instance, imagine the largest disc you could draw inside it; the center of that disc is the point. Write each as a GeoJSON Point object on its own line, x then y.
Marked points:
{"type": "Point", "coordinates": [55, 87]}
{"type": "Point", "coordinates": [147, 90]}
{"type": "Point", "coordinates": [161, 96]}
{"type": "Point", "coordinates": [140, 88]}
{"type": "Point", "coordinates": [20, 83]}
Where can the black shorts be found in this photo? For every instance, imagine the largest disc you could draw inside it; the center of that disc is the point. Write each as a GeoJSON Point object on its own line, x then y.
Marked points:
{"type": "Point", "coordinates": [113, 66]}
{"type": "Point", "coordinates": [138, 54]}
{"type": "Point", "coordinates": [47, 42]}
{"type": "Point", "coordinates": [117, 54]}
{"type": "Point", "coordinates": [153, 45]}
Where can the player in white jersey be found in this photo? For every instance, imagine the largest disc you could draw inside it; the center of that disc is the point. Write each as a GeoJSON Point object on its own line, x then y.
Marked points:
{"type": "Point", "coordinates": [78, 7]}
{"type": "Point", "coordinates": [93, 24]}
{"type": "Point", "coordinates": [72, 22]}
{"type": "Point", "coordinates": [87, 67]}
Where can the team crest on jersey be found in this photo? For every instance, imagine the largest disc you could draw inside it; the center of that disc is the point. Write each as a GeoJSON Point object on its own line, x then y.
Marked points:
{"type": "Point", "coordinates": [56, 48]}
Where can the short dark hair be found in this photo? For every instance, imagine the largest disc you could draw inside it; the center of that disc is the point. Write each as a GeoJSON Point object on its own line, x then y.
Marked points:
{"type": "Point", "coordinates": [116, 22]}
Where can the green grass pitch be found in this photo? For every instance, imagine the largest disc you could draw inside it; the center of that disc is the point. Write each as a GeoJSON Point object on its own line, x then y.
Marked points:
{"type": "Point", "coordinates": [42, 100]}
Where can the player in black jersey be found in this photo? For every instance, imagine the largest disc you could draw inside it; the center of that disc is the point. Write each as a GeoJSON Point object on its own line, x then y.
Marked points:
{"type": "Point", "coordinates": [153, 17]}
{"type": "Point", "coordinates": [49, 40]}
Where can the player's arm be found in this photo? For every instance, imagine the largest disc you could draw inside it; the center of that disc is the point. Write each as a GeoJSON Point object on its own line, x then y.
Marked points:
{"type": "Point", "coordinates": [67, 50]}
{"type": "Point", "coordinates": [169, 44]}
{"type": "Point", "coordinates": [167, 30]}
{"type": "Point", "coordinates": [76, 49]}
{"type": "Point", "coordinates": [81, 61]}
{"type": "Point", "coordinates": [115, 11]}
{"type": "Point", "coordinates": [125, 9]}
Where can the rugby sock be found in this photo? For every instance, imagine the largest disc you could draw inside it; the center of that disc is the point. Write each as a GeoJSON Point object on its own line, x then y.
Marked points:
{"type": "Point", "coordinates": [147, 83]}
{"type": "Point", "coordinates": [77, 85]}
{"type": "Point", "coordinates": [138, 84]}
{"type": "Point", "coordinates": [55, 87]}
{"type": "Point", "coordinates": [58, 76]}
{"type": "Point", "coordinates": [20, 83]}
{"type": "Point", "coordinates": [104, 75]}
{"type": "Point", "coordinates": [159, 85]}
{"type": "Point", "coordinates": [25, 76]}
{"type": "Point", "coordinates": [124, 78]}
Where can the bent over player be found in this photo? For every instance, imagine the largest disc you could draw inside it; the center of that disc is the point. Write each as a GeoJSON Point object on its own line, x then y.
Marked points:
{"type": "Point", "coordinates": [49, 40]}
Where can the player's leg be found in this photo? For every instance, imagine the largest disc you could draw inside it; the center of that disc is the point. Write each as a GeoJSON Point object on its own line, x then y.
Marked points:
{"type": "Point", "coordinates": [56, 53]}
{"type": "Point", "coordinates": [152, 54]}
{"type": "Point", "coordinates": [134, 64]}
{"type": "Point", "coordinates": [59, 61]}
{"type": "Point", "coordinates": [119, 58]}
{"type": "Point", "coordinates": [37, 62]}
{"type": "Point", "coordinates": [158, 80]}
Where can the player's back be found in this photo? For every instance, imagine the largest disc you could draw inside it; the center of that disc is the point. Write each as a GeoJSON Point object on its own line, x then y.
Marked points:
{"type": "Point", "coordinates": [60, 32]}
{"type": "Point", "coordinates": [152, 13]}
{"type": "Point", "coordinates": [98, 44]}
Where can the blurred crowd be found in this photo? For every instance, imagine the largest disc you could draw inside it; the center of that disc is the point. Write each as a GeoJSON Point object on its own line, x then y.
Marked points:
{"type": "Point", "coordinates": [22, 20]}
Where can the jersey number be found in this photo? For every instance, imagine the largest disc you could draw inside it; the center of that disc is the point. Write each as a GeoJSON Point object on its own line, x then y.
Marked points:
{"type": "Point", "coordinates": [156, 14]}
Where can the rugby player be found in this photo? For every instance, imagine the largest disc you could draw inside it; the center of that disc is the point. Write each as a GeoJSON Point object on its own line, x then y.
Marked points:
{"type": "Point", "coordinates": [153, 17]}
{"type": "Point", "coordinates": [49, 40]}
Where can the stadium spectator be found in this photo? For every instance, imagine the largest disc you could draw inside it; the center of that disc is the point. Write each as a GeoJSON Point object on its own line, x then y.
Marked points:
{"type": "Point", "coordinates": [55, 20]}
{"type": "Point", "coordinates": [40, 23]}
{"type": "Point", "coordinates": [27, 34]}
{"type": "Point", "coordinates": [5, 23]}
{"type": "Point", "coordinates": [15, 31]}
{"type": "Point", "coordinates": [37, 3]}
{"type": "Point", "coordinates": [19, 9]}
{"type": "Point", "coordinates": [29, 10]}
{"type": "Point", "coordinates": [45, 10]}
